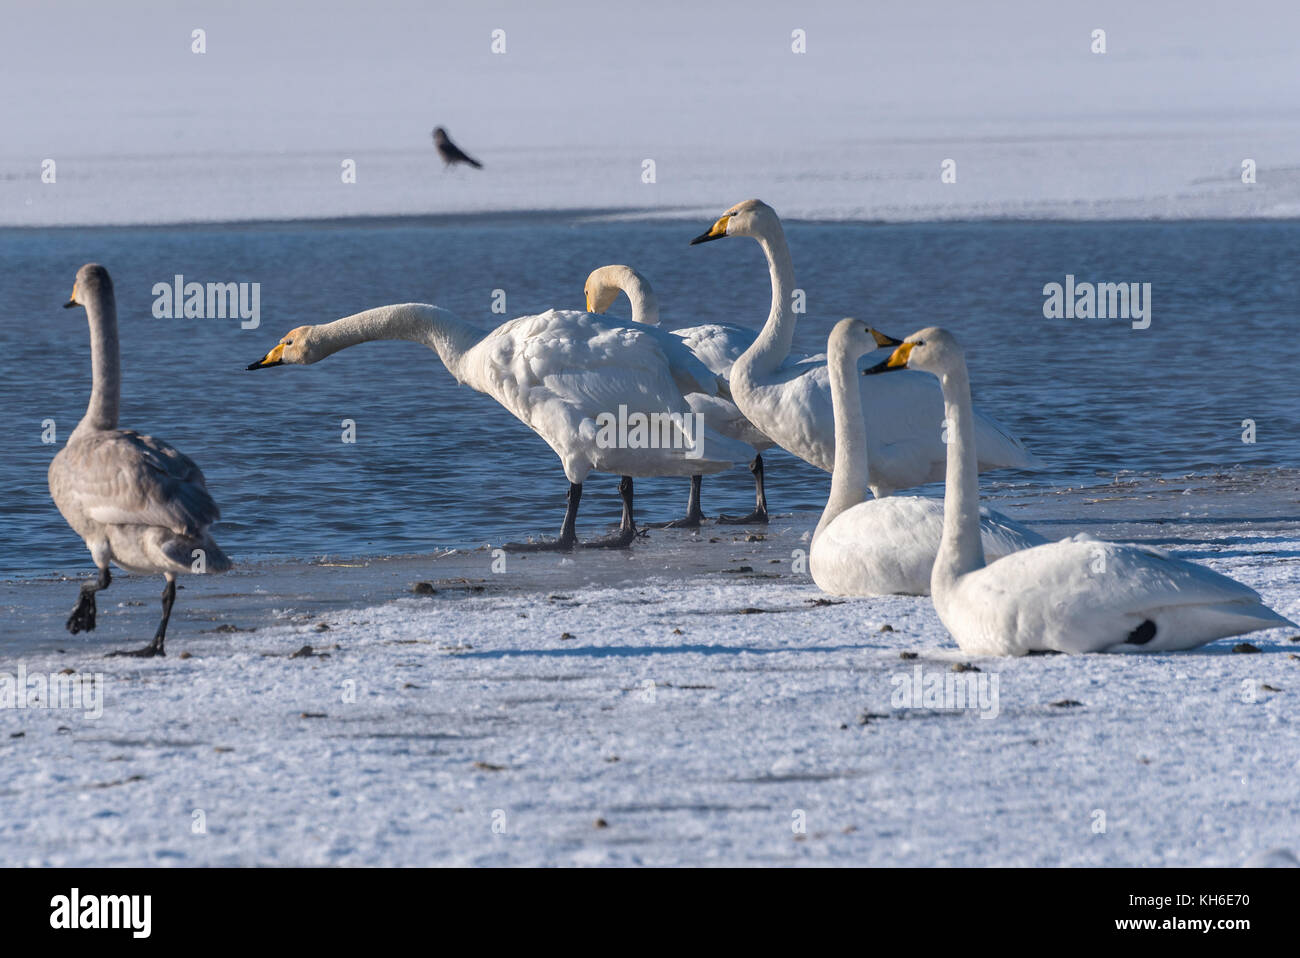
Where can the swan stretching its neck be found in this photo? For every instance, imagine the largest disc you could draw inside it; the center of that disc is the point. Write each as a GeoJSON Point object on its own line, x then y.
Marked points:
{"type": "Point", "coordinates": [560, 373]}
{"type": "Point", "coordinates": [885, 546]}
{"type": "Point", "coordinates": [135, 500]}
{"type": "Point", "coordinates": [791, 403]}
{"type": "Point", "coordinates": [1076, 595]}
{"type": "Point", "coordinates": [718, 346]}
{"type": "Point", "coordinates": [433, 326]}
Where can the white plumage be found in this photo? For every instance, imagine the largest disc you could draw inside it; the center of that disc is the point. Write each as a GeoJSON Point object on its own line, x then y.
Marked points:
{"type": "Point", "coordinates": [557, 372]}
{"type": "Point", "coordinates": [791, 403]}
{"type": "Point", "coordinates": [887, 546]}
{"type": "Point", "coordinates": [1077, 595]}
{"type": "Point", "coordinates": [717, 346]}
{"type": "Point", "coordinates": [1086, 595]}
{"type": "Point", "coordinates": [880, 546]}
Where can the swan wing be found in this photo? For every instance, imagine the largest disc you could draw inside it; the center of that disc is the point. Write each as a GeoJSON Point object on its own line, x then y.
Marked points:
{"type": "Point", "coordinates": [119, 477]}
{"type": "Point", "coordinates": [888, 546]}
{"type": "Point", "coordinates": [879, 547]}
{"type": "Point", "coordinates": [583, 361]}
{"type": "Point", "coordinates": [561, 370]}
{"type": "Point", "coordinates": [688, 371]}
{"type": "Point", "coordinates": [723, 417]}
{"type": "Point", "coordinates": [717, 345]}
{"type": "Point", "coordinates": [1085, 595]}
{"type": "Point", "coordinates": [1002, 535]}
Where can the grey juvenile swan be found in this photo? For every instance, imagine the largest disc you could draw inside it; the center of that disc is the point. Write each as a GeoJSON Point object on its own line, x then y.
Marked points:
{"type": "Point", "coordinates": [135, 500]}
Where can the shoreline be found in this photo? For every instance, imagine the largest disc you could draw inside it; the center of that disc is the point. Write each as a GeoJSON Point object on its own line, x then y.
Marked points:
{"type": "Point", "coordinates": [1236, 514]}
{"type": "Point", "coordinates": [674, 214]}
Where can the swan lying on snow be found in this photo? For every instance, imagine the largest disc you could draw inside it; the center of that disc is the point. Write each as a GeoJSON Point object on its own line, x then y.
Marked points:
{"type": "Point", "coordinates": [791, 404]}
{"type": "Point", "coordinates": [880, 546]}
{"type": "Point", "coordinates": [1076, 595]}
{"type": "Point", "coordinates": [135, 500]}
{"type": "Point", "coordinates": [564, 374]}
{"type": "Point", "coordinates": [717, 345]}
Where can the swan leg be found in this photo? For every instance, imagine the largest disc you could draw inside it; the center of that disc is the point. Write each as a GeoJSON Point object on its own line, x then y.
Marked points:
{"type": "Point", "coordinates": [759, 515]}
{"type": "Point", "coordinates": [82, 618]}
{"type": "Point", "coordinates": [627, 530]}
{"type": "Point", "coordinates": [156, 646]}
{"type": "Point", "coordinates": [568, 529]}
{"type": "Point", "coordinates": [694, 514]}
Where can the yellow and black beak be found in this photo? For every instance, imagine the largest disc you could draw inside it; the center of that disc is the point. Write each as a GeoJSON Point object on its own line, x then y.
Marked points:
{"type": "Point", "coordinates": [274, 358]}
{"type": "Point", "coordinates": [72, 299]}
{"type": "Point", "coordinates": [882, 339]}
{"type": "Point", "coordinates": [897, 359]}
{"type": "Point", "coordinates": [717, 231]}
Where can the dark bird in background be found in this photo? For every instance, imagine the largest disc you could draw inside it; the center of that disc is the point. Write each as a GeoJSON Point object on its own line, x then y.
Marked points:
{"type": "Point", "coordinates": [451, 153]}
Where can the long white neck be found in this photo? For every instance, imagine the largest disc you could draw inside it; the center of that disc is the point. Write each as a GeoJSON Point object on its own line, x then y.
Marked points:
{"type": "Point", "coordinates": [105, 362]}
{"type": "Point", "coordinates": [961, 550]}
{"type": "Point", "coordinates": [433, 326]}
{"type": "Point", "coordinates": [849, 478]}
{"type": "Point", "coordinates": [772, 346]}
{"type": "Point", "coordinates": [645, 304]}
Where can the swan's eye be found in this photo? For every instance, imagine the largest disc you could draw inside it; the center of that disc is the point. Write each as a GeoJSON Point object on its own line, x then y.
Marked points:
{"type": "Point", "coordinates": [288, 342]}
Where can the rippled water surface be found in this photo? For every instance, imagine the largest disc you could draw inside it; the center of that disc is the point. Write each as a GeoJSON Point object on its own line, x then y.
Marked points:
{"type": "Point", "coordinates": [436, 464]}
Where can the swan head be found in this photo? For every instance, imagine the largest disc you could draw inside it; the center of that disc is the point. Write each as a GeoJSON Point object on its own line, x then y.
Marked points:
{"type": "Point", "coordinates": [295, 349]}
{"type": "Point", "coordinates": [92, 282]}
{"type": "Point", "coordinates": [933, 350]}
{"type": "Point", "coordinates": [854, 338]}
{"type": "Point", "coordinates": [604, 285]}
{"type": "Point", "coordinates": [750, 218]}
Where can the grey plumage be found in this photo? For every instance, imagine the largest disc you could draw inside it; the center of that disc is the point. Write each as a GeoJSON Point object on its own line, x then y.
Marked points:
{"type": "Point", "coordinates": [137, 501]}
{"type": "Point", "coordinates": [451, 153]}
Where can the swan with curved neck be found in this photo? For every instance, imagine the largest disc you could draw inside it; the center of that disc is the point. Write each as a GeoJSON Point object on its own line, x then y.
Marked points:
{"type": "Point", "coordinates": [605, 283]}
{"type": "Point", "coordinates": [865, 546]}
{"type": "Point", "coordinates": [717, 345]}
{"type": "Point", "coordinates": [1076, 595]}
{"type": "Point", "coordinates": [560, 373]}
{"type": "Point", "coordinates": [136, 501]}
{"type": "Point", "coordinates": [792, 403]}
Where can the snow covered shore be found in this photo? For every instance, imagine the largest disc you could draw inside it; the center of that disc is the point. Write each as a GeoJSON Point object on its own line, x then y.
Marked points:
{"type": "Point", "coordinates": [697, 702]}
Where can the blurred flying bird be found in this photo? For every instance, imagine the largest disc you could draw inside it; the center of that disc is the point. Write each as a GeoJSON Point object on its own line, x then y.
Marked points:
{"type": "Point", "coordinates": [451, 153]}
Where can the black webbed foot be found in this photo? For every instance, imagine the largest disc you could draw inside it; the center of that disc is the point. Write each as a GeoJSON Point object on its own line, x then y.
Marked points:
{"type": "Point", "coordinates": [756, 518]}
{"type": "Point", "coordinates": [82, 618]}
{"type": "Point", "coordinates": [148, 652]}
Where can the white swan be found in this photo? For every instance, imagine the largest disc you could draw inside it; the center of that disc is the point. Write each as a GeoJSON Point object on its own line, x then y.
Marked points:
{"type": "Point", "coordinates": [717, 345]}
{"type": "Point", "coordinates": [1076, 595]}
{"type": "Point", "coordinates": [568, 376]}
{"type": "Point", "coordinates": [792, 403]}
{"type": "Point", "coordinates": [880, 546]}
{"type": "Point", "coordinates": [135, 500]}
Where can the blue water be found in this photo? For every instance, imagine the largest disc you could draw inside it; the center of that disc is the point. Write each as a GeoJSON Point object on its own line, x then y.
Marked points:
{"type": "Point", "coordinates": [439, 465]}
